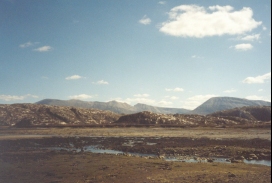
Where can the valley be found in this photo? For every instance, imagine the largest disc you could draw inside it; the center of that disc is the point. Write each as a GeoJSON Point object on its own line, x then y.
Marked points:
{"type": "Point", "coordinates": [56, 143]}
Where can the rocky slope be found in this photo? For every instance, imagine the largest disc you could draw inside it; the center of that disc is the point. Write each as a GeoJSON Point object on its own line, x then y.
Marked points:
{"type": "Point", "coordinates": [36, 114]}
{"type": "Point", "coordinates": [224, 103]}
{"type": "Point", "coordinates": [238, 116]}
{"type": "Point", "coordinates": [255, 113]}
{"type": "Point", "coordinates": [148, 118]}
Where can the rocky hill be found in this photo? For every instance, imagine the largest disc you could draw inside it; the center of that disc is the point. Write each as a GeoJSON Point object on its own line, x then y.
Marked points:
{"type": "Point", "coordinates": [223, 103]}
{"type": "Point", "coordinates": [255, 113]}
{"type": "Point", "coordinates": [37, 114]}
{"type": "Point", "coordinates": [149, 118]}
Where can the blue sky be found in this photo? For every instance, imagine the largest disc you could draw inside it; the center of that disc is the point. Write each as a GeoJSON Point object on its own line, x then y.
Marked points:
{"type": "Point", "coordinates": [162, 53]}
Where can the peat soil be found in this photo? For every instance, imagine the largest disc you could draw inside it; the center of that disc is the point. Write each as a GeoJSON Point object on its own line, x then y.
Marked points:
{"type": "Point", "coordinates": [139, 159]}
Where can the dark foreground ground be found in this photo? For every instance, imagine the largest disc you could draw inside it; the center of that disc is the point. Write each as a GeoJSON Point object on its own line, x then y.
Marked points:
{"type": "Point", "coordinates": [66, 157]}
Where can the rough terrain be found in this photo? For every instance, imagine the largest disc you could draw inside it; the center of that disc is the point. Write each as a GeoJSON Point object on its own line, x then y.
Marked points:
{"type": "Point", "coordinates": [63, 155]}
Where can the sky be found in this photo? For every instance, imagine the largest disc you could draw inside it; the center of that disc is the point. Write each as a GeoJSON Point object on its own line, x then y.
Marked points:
{"type": "Point", "coordinates": [175, 53]}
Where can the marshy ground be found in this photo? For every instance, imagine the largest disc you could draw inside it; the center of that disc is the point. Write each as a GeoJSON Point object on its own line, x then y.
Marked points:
{"type": "Point", "coordinates": [62, 155]}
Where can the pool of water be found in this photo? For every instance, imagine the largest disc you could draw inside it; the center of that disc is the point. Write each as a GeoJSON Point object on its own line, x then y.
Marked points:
{"type": "Point", "coordinates": [96, 149]}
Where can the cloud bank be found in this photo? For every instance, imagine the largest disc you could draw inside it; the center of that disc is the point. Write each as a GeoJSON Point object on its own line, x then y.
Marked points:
{"type": "Point", "coordinates": [257, 79]}
{"type": "Point", "coordinates": [81, 97]}
{"type": "Point", "coordinates": [14, 97]}
{"type": "Point", "coordinates": [197, 21]}
{"type": "Point", "coordinates": [174, 89]}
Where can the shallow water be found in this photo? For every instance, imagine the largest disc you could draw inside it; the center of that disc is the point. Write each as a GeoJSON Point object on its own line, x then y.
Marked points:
{"type": "Point", "coordinates": [95, 149]}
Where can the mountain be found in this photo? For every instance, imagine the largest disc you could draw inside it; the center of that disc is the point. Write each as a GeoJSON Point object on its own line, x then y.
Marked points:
{"type": "Point", "coordinates": [114, 106]}
{"type": "Point", "coordinates": [223, 103]}
{"type": "Point", "coordinates": [38, 114]}
{"type": "Point", "coordinates": [256, 113]}
{"type": "Point", "coordinates": [210, 106]}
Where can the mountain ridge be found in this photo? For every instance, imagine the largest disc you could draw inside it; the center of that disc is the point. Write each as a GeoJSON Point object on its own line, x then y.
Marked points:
{"type": "Point", "coordinates": [212, 105]}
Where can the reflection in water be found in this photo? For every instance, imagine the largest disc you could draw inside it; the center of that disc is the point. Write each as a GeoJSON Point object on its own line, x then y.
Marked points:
{"type": "Point", "coordinates": [95, 149]}
{"type": "Point", "coordinates": [259, 162]}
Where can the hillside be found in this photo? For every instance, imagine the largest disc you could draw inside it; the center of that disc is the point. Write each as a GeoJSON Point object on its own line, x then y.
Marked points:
{"type": "Point", "coordinates": [149, 118]}
{"type": "Point", "coordinates": [37, 114]}
{"type": "Point", "coordinates": [256, 113]}
{"type": "Point", "coordinates": [223, 103]}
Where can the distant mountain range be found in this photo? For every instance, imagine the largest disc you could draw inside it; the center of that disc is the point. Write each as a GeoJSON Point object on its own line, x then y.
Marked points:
{"type": "Point", "coordinates": [210, 106]}
{"type": "Point", "coordinates": [114, 106]}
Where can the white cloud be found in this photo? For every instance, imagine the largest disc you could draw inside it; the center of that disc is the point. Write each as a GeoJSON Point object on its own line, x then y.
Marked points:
{"type": "Point", "coordinates": [162, 2]}
{"type": "Point", "coordinates": [25, 45]}
{"type": "Point", "coordinates": [141, 95]}
{"type": "Point", "coordinates": [264, 27]}
{"type": "Point", "coordinates": [251, 37]}
{"type": "Point", "coordinates": [197, 21]}
{"type": "Point", "coordinates": [172, 97]}
{"type": "Point", "coordinates": [257, 79]}
{"type": "Point", "coordinates": [195, 101]}
{"type": "Point", "coordinates": [195, 56]}
{"type": "Point", "coordinates": [14, 97]}
{"type": "Point", "coordinates": [74, 77]}
{"type": "Point", "coordinates": [243, 46]}
{"type": "Point", "coordinates": [164, 103]}
{"type": "Point", "coordinates": [254, 97]}
{"type": "Point", "coordinates": [230, 91]}
{"type": "Point", "coordinates": [141, 100]}
{"type": "Point", "coordinates": [101, 82]}
{"type": "Point", "coordinates": [175, 89]}
{"type": "Point", "coordinates": [260, 90]}
{"type": "Point", "coordinates": [145, 20]}
{"type": "Point", "coordinates": [81, 97]}
{"type": "Point", "coordinates": [43, 49]}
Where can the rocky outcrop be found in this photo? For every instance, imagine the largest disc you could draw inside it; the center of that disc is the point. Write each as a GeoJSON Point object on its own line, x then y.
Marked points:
{"type": "Point", "coordinates": [35, 114]}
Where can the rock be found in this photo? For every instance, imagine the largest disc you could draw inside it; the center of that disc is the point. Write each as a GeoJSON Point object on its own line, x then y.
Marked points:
{"type": "Point", "coordinates": [231, 175]}
{"type": "Point", "coordinates": [236, 161]}
{"type": "Point", "coordinates": [209, 160]}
